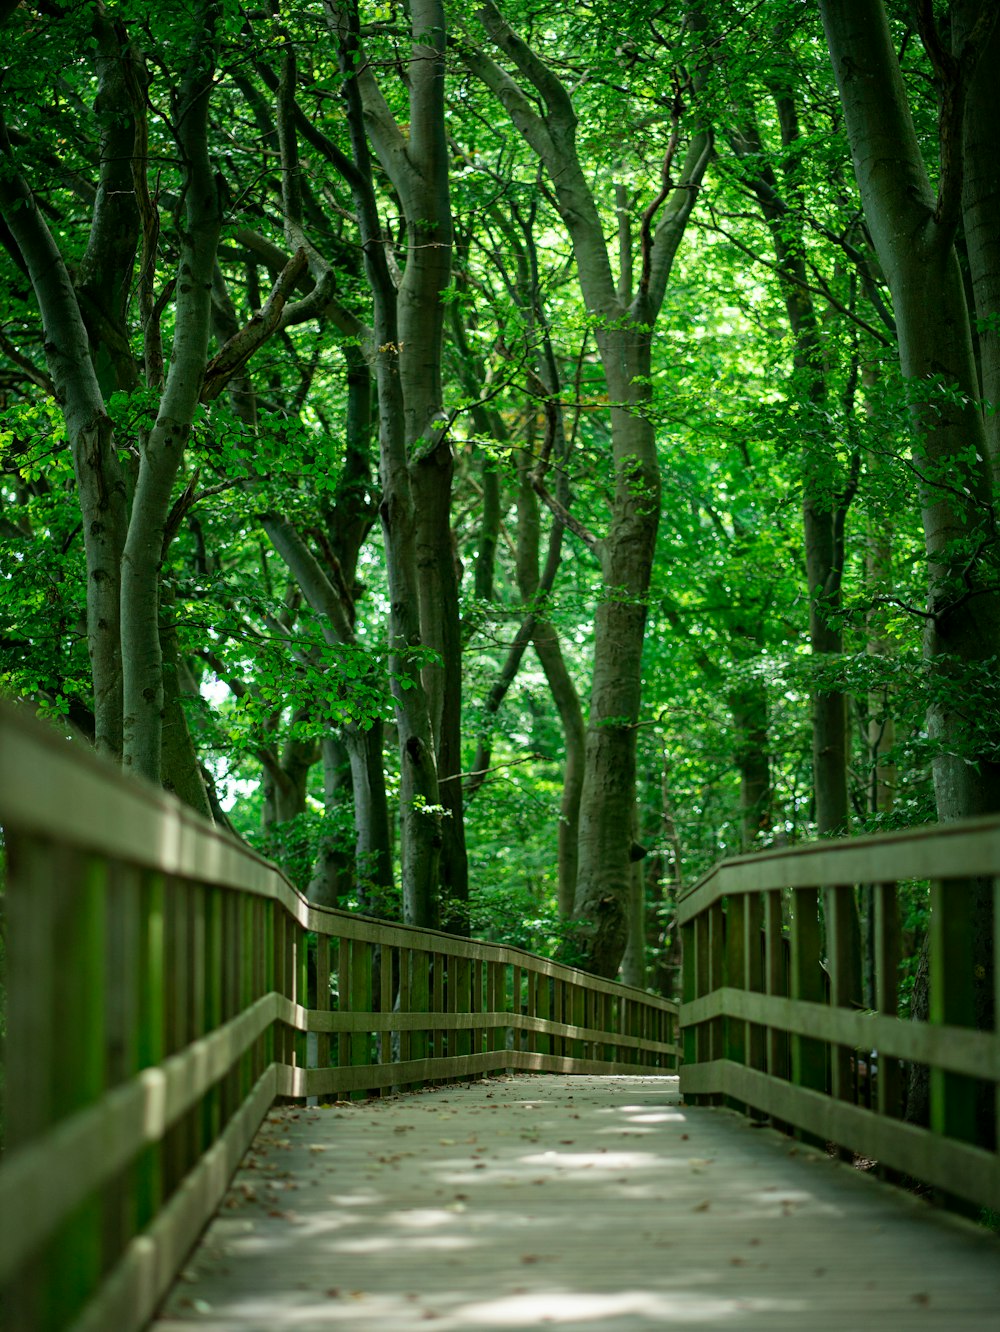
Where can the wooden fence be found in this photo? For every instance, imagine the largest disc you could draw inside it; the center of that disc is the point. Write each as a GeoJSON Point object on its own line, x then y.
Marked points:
{"type": "Point", "coordinates": [769, 1027]}
{"type": "Point", "coordinates": [164, 985]}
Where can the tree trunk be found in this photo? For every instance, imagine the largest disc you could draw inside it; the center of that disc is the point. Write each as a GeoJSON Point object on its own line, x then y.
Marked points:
{"type": "Point", "coordinates": [181, 769]}
{"type": "Point", "coordinates": [749, 709]}
{"type": "Point", "coordinates": [99, 481]}
{"type": "Point", "coordinates": [419, 795]}
{"type": "Point", "coordinates": [981, 208]}
{"type": "Point", "coordinates": [163, 450]}
{"type": "Point", "coordinates": [913, 234]}
{"type": "Point", "coordinates": [333, 870]}
{"type": "Point", "coordinates": [624, 324]}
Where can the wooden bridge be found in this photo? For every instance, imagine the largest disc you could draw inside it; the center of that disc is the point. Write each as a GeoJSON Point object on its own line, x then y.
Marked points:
{"type": "Point", "coordinates": [509, 1148]}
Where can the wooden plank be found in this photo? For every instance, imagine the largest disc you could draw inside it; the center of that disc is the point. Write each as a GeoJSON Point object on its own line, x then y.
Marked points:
{"type": "Point", "coordinates": [776, 981]}
{"type": "Point", "coordinates": [129, 1298]}
{"type": "Point", "coordinates": [969, 1172]}
{"type": "Point", "coordinates": [345, 1003]}
{"type": "Point", "coordinates": [77, 900]}
{"type": "Point", "coordinates": [42, 1182]}
{"type": "Point", "coordinates": [322, 998]}
{"type": "Point", "coordinates": [806, 983]}
{"type": "Point", "coordinates": [416, 1072]}
{"type": "Point", "coordinates": [845, 979]}
{"type": "Point", "coordinates": [957, 1049]}
{"type": "Point", "coordinates": [122, 1050]}
{"type": "Point", "coordinates": [753, 947]}
{"type": "Point", "coordinates": [961, 849]}
{"type": "Point", "coordinates": [735, 971]}
{"type": "Point", "coordinates": [756, 1234]}
{"type": "Point", "coordinates": [952, 1003]}
{"type": "Point", "coordinates": [887, 956]}
{"type": "Point", "coordinates": [420, 994]}
{"type": "Point", "coordinates": [361, 999]}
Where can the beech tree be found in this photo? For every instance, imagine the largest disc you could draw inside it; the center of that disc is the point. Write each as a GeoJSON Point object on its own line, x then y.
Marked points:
{"type": "Point", "coordinates": [464, 450]}
{"type": "Point", "coordinates": [624, 314]}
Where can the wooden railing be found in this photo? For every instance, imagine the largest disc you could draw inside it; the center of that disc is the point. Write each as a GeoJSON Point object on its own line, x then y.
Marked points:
{"type": "Point", "coordinates": [164, 985]}
{"type": "Point", "coordinates": [770, 1019]}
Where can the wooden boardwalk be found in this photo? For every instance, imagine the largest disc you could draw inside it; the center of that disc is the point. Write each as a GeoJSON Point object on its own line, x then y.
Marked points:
{"type": "Point", "coordinates": [584, 1203]}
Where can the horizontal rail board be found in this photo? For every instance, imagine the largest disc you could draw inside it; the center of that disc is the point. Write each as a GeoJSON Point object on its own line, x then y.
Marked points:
{"type": "Point", "coordinates": [963, 849]}
{"type": "Point", "coordinates": [320, 1020]}
{"type": "Point", "coordinates": [976, 1054]}
{"type": "Point", "coordinates": [956, 1167]}
{"type": "Point", "coordinates": [130, 1296]}
{"type": "Point", "coordinates": [41, 1183]}
{"type": "Point", "coordinates": [181, 939]}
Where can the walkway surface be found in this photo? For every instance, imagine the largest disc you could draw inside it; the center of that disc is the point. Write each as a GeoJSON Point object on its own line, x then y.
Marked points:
{"type": "Point", "coordinates": [599, 1204]}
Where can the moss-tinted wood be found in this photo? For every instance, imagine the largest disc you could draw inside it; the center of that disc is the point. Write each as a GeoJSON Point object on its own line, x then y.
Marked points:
{"type": "Point", "coordinates": [887, 957]}
{"type": "Point", "coordinates": [952, 1002]}
{"type": "Point", "coordinates": [806, 983]}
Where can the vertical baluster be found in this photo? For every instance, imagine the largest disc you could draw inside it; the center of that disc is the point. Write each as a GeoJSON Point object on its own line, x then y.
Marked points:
{"type": "Point", "coordinates": [420, 999]}
{"type": "Point", "coordinates": [463, 986]}
{"type": "Point", "coordinates": [77, 900]}
{"type": "Point", "coordinates": [808, 1054]}
{"type": "Point", "coordinates": [753, 948]}
{"type": "Point", "coordinates": [442, 1040]}
{"type": "Point", "coordinates": [845, 979]}
{"type": "Point", "coordinates": [345, 977]}
{"type": "Point", "coordinates": [387, 981]}
{"type": "Point", "coordinates": [690, 990]}
{"type": "Point", "coordinates": [544, 1004]}
{"type": "Point", "coordinates": [517, 1035]}
{"type": "Point", "coordinates": [152, 1026]}
{"type": "Point", "coordinates": [578, 1017]}
{"type": "Point", "coordinates": [121, 1019]}
{"type": "Point", "coordinates": [776, 980]}
{"type": "Point", "coordinates": [952, 1001]}
{"type": "Point", "coordinates": [406, 1000]}
{"type": "Point", "coordinates": [735, 973]}
{"type": "Point", "coordinates": [302, 952]}
{"type": "Point", "coordinates": [361, 1003]}
{"type": "Point", "coordinates": [845, 986]}
{"type": "Point", "coordinates": [323, 998]}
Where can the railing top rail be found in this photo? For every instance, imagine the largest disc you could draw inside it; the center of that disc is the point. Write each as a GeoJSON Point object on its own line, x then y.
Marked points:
{"type": "Point", "coordinates": [965, 848]}
{"type": "Point", "coordinates": [58, 788]}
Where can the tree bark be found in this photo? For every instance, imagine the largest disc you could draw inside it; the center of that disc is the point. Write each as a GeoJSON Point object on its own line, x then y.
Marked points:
{"type": "Point", "coordinates": [163, 450]}
{"type": "Point", "coordinates": [624, 325]}
{"type": "Point", "coordinates": [981, 206]}
{"type": "Point", "coordinates": [420, 798]}
{"type": "Point", "coordinates": [913, 233]}
{"type": "Point", "coordinates": [99, 481]}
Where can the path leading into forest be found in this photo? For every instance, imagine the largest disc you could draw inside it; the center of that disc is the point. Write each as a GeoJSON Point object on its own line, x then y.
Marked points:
{"type": "Point", "coordinates": [584, 1203]}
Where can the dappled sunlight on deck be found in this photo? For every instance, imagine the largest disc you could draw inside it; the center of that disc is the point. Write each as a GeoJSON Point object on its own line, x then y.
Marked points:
{"type": "Point", "coordinates": [570, 1202]}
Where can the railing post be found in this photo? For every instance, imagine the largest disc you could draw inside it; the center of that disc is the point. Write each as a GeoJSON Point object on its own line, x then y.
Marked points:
{"type": "Point", "coordinates": [388, 980]}
{"type": "Point", "coordinates": [845, 978]}
{"type": "Point", "coordinates": [735, 972]}
{"type": "Point", "coordinates": [753, 949]}
{"type": "Point", "coordinates": [345, 1002]}
{"type": "Point", "coordinates": [420, 994]}
{"type": "Point", "coordinates": [952, 1000]}
{"type": "Point", "coordinates": [889, 1081]}
{"type": "Point", "coordinates": [808, 1054]}
{"type": "Point", "coordinates": [323, 997]}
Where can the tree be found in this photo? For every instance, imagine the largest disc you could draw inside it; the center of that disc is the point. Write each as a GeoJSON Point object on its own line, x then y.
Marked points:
{"type": "Point", "coordinates": [624, 314]}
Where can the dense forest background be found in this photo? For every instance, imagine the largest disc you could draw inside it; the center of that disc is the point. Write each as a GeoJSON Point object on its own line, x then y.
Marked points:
{"type": "Point", "coordinates": [500, 458]}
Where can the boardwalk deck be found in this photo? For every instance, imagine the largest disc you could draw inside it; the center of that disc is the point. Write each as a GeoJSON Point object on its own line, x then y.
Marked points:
{"type": "Point", "coordinates": [575, 1202]}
